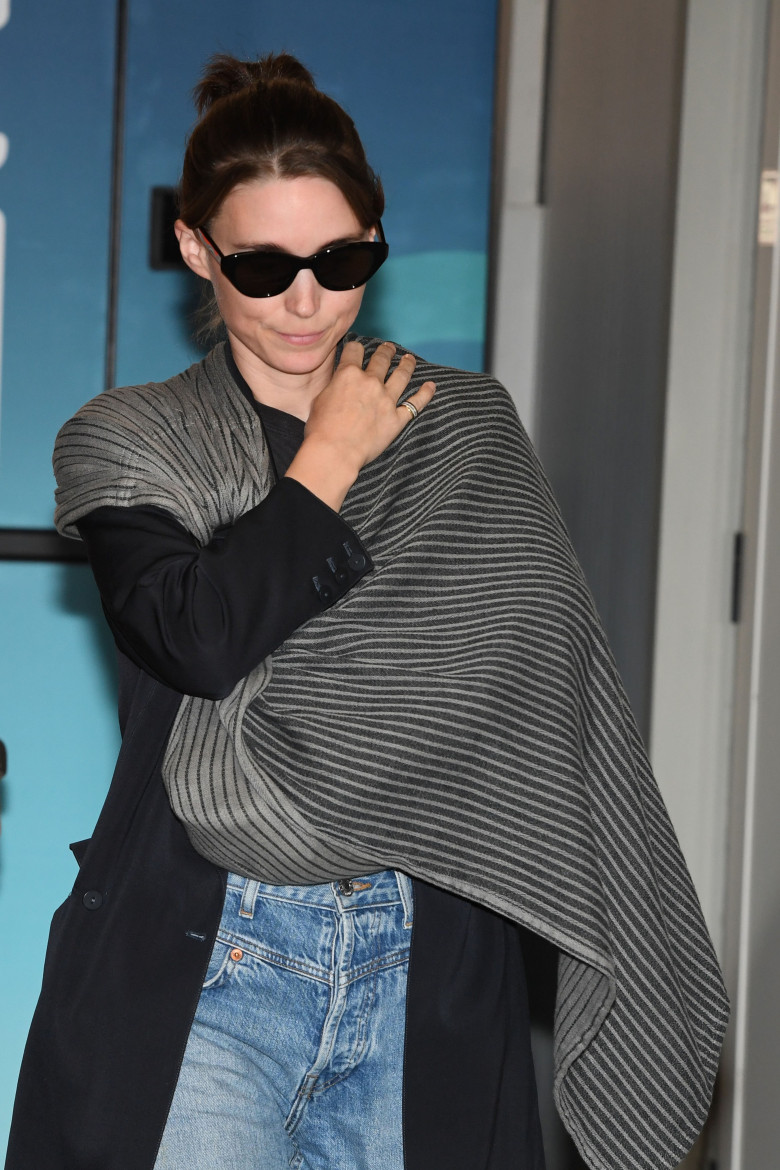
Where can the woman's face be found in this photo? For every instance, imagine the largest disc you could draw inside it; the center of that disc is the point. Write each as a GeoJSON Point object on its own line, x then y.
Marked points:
{"type": "Point", "coordinates": [296, 332]}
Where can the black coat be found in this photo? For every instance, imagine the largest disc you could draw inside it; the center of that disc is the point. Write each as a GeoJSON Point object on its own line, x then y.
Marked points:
{"type": "Point", "coordinates": [129, 948]}
{"type": "Point", "coordinates": [127, 954]}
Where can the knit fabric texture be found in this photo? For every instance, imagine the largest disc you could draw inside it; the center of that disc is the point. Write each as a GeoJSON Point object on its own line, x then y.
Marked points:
{"type": "Point", "coordinates": [457, 716]}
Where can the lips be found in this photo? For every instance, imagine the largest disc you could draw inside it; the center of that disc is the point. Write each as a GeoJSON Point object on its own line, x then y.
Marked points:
{"type": "Point", "coordinates": [302, 339]}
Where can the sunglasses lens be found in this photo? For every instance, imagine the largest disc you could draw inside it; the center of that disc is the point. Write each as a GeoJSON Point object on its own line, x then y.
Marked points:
{"type": "Point", "coordinates": [350, 266]}
{"type": "Point", "coordinates": [266, 274]}
{"type": "Point", "coordinates": [260, 274]}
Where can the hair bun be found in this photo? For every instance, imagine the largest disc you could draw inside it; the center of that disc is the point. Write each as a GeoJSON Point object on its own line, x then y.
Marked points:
{"type": "Point", "coordinates": [225, 75]}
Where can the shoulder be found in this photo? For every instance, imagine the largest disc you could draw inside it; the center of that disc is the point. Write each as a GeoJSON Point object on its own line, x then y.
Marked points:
{"type": "Point", "coordinates": [144, 444]}
{"type": "Point", "coordinates": [475, 403]}
{"type": "Point", "coordinates": [462, 386]}
{"type": "Point", "coordinates": [471, 432]}
{"type": "Point", "coordinates": [127, 413]}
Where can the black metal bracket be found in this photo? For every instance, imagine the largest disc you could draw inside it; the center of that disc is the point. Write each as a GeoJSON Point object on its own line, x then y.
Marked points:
{"type": "Point", "coordinates": [163, 246]}
{"type": "Point", "coordinates": [38, 544]}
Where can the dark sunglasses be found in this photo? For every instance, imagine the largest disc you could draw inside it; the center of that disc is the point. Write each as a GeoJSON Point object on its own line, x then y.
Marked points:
{"type": "Point", "coordinates": [266, 274]}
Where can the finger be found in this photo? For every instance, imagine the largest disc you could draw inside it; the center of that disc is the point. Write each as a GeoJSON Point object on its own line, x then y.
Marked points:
{"type": "Point", "coordinates": [398, 380]}
{"type": "Point", "coordinates": [379, 362]}
{"type": "Point", "coordinates": [423, 396]}
{"type": "Point", "coordinates": [414, 405]}
{"type": "Point", "coordinates": [352, 354]}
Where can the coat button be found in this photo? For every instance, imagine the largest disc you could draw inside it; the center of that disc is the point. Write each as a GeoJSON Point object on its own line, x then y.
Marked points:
{"type": "Point", "coordinates": [93, 899]}
{"type": "Point", "coordinates": [357, 562]}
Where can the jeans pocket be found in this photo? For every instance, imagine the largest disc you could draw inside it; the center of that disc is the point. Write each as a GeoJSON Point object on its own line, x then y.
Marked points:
{"type": "Point", "coordinates": [219, 964]}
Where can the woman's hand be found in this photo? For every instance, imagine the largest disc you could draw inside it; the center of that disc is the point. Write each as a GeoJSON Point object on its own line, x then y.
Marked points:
{"type": "Point", "coordinates": [354, 419]}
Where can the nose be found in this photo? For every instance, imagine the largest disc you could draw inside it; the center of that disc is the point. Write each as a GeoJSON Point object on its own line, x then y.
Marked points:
{"type": "Point", "coordinates": [303, 295]}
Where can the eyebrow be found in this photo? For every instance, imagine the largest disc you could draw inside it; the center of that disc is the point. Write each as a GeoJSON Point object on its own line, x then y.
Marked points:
{"type": "Point", "coordinates": [357, 238]}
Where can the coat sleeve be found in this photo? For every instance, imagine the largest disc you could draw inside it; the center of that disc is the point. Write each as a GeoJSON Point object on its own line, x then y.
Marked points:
{"type": "Point", "coordinates": [199, 618]}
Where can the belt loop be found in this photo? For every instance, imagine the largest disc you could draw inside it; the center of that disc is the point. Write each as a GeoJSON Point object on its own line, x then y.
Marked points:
{"type": "Point", "coordinates": [406, 893]}
{"type": "Point", "coordinates": [251, 888]}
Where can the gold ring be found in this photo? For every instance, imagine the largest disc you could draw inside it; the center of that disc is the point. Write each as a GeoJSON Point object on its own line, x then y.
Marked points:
{"type": "Point", "coordinates": [413, 411]}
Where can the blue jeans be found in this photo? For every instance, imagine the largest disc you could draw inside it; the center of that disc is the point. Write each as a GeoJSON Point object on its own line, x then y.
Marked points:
{"type": "Point", "coordinates": [295, 1057]}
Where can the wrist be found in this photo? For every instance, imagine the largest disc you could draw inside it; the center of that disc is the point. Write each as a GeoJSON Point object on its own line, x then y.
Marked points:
{"type": "Point", "coordinates": [326, 469]}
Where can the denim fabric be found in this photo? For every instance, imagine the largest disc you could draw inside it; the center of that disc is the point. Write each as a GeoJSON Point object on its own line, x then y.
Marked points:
{"type": "Point", "coordinates": [295, 1057]}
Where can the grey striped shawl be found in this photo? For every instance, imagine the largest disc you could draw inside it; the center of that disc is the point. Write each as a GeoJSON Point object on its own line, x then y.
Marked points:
{"type": "Point", "coordinates": [457, 716]}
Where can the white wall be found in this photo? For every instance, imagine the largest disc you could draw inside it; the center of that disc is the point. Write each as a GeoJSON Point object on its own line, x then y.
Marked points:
{"type": "Point", "coordinates": [750, 1124]}
{"type": "Point", "coordinates": [693, 696]}
{"type": "Point", "coordinates": [708, 366]}
{"type": "Point", "coordinates": [704, 439]}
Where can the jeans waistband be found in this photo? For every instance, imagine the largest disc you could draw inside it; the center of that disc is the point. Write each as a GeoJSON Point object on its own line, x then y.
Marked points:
{"type": "Point", "coordinates": [384, 888]}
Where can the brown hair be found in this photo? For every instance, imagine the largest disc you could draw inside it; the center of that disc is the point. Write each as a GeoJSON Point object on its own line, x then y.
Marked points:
{"type": "Point", "coordinates": [267, 119]}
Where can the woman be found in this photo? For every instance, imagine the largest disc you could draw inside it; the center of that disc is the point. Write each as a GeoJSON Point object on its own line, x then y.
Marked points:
{"type": "Point", "coordinates": [362, 686]}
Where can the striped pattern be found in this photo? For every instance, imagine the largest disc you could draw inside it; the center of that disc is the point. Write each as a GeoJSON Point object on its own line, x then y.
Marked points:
{"type": "Point", "coordinates": [456, 716]}
{"type": "Point", "coordinates": [191, 445]}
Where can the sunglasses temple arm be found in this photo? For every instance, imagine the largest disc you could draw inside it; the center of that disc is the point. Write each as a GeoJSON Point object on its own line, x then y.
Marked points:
{"type": "Point", "coordinates": [207, 240]}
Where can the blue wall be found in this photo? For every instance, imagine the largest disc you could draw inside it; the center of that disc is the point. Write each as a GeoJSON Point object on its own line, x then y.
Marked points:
{"type": "Point", "coordinates": [58, 720]}
{"type": "Point", "coordinates": [418, 80]}
{"type": "Point", "coordinates": [56, 85]}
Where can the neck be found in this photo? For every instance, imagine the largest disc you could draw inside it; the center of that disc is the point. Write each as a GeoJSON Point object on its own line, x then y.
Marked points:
{"type": "Point", "coordinates": [291, 392]}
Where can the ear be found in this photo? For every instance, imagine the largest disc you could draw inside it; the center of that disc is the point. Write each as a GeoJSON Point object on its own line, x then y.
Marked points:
{"type": "Point", "coordinates": [194, 252]}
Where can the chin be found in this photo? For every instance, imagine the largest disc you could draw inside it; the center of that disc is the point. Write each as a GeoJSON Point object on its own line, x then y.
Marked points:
{"type": "Point", "coordinates": [305, 353]}
{"type": "Point", "coordinates": [303, 362]}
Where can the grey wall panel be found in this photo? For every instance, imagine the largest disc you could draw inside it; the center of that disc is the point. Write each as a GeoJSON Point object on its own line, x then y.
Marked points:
{"type": "Point", "coordinates": [609, 187]}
